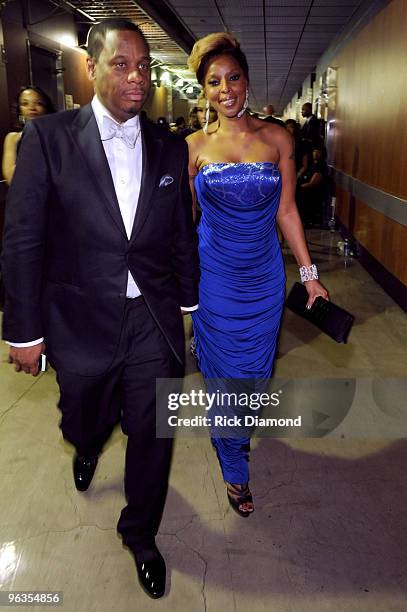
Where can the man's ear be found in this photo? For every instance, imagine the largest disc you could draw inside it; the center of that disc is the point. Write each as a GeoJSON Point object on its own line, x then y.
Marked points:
{"type": "Point", "coordinates": [91, 68]}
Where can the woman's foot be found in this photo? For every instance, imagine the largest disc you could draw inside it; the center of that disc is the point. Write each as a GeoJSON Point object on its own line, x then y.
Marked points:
{"type": "Point", "coordinates": [240, 498]}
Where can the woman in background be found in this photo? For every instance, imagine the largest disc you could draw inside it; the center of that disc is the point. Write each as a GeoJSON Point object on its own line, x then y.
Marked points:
{"type": "Point", "coordinates": [202, 110]}
{"type": "Point", "coordinates": [243, 177]}
{"type": "Point", "coordinates": [32, 102]}
{"type": "Point", "coordinates": [311, 190]}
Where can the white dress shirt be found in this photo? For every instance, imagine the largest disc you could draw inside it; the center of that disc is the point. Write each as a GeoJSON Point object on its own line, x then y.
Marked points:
{"type": "Point", "coordinates": [125, 165]}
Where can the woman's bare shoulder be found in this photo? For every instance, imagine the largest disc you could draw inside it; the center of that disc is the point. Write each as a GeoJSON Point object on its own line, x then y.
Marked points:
{"type": "Point", "coordinates": [196, 142]}
{"type": "Point", "coordinates": [195, 138]}
{"type": "Point", "coordinates": [277, 135]}
{"type": "Point", "coordinates": [12, 137]}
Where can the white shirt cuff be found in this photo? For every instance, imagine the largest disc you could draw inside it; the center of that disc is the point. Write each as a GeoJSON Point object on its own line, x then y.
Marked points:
{"type": "Point", "coordinates": [25, 344]}
{"type": "Point", "coordinates": [189, 308]}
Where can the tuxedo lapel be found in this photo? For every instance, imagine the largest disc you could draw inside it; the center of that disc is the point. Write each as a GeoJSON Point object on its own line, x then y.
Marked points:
{"type": "Point", "coordinates": [152, 147]}
{"type": "Point", "coordinates": [86, 134]}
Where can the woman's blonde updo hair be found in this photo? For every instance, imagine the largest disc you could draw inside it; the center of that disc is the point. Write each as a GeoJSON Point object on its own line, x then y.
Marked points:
{"type": "Point", "coordinates": [219, 43]}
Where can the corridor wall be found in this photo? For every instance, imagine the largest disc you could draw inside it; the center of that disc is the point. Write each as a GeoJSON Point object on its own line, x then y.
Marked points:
{"type": "Point", "coordinates": [369, 147]}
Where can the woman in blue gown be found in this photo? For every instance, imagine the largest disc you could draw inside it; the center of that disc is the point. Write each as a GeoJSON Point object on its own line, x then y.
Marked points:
{"type": "Point", "coordinates": [243, 177]}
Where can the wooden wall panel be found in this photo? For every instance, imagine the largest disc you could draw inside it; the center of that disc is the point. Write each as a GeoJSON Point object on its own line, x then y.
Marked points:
{"type": "Point", "coordinates": [76, 82]}
{"type": "Point", "coordinates": [4, 103]}
{"type": "Point", "coordinates": [371, 139]}
{"type": "Point", "coordinates": [180, 108]}
{"type": "Point", "coordinates": [15, 42]}
{"type": "Point", "coordinates": [384, 238]}
{"type": "Point", "coordinates": [342, 205]}
{"type": "Point", "coordinates": [156, 105]}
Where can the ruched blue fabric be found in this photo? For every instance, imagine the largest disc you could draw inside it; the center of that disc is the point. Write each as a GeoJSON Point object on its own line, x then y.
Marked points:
{"type": "Point", "coordinates": [242, 286]}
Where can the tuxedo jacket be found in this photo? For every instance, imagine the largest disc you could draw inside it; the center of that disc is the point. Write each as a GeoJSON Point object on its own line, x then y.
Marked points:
{"type": "Point", "coordinates": [66, 255]}
{"type": "Point", "coordinates": [310, 131]}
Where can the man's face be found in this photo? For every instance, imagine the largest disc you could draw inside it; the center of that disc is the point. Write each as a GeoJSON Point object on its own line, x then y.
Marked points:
{"type": "Point", "coordinates": [306, 111]}
{"type": "Point", "coordinates": [316, 155]}
{"type": "Point", "coordinates": [121, 74]}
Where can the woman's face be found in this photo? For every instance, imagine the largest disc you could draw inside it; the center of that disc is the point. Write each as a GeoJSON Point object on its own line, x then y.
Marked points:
{"type": "Point", "coordinates": [31, 104]}
{"type": "Point", "coordinates": [225, 85]}
{"type": "Point", "coordinates": [201, 113]}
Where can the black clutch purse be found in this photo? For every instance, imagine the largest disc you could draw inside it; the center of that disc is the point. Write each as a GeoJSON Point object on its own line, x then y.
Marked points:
{"type": "Point", "coordinates": [327, 316]}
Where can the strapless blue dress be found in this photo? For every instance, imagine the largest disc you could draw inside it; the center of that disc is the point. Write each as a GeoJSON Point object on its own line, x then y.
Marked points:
{"type": "Point", "coordinates": [242, 286]}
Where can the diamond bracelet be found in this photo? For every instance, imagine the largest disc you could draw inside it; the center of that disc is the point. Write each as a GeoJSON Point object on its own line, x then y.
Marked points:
{"type": "Point", "coordinates": [308, 273]}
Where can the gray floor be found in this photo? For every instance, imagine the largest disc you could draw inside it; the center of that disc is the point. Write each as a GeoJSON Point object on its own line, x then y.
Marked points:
{"type": "Point", "coordinates": [330, 529]}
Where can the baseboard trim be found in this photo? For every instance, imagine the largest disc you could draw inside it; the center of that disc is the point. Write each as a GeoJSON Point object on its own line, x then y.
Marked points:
{"type": "Point", "coordinates": [390, 283]}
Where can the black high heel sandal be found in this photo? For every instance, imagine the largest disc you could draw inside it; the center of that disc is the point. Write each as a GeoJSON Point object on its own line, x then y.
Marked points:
{"type": "Point", "coordinates": [239, 495]}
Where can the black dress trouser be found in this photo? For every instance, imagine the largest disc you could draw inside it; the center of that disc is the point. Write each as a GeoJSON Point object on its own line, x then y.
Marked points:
{"type": "Point", "coordinates": [91, 406]}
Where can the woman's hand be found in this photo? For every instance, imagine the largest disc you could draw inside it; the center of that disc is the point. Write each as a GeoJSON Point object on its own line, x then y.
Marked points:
{"type": "Point", "coordinates": [315, 289]}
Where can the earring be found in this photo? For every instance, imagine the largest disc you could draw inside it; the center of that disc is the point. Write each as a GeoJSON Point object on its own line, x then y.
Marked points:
{"type": "Point", "coordinates": [245, 104]}
{"type": "Point", "coordinates": [207, 113]}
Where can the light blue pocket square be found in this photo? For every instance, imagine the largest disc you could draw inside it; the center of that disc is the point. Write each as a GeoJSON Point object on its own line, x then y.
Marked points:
{"type": "Point", "coordinates": [166, 180]}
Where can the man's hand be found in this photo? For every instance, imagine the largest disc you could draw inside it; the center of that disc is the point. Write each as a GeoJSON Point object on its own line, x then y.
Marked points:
{"type": "Point", "coordinates": [26, 358]}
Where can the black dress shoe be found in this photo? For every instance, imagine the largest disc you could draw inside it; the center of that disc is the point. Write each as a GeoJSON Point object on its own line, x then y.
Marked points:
{"type": "Point", "coordinates": [83, 470]}
{"type": "Point", "coordinates": [151, 573]}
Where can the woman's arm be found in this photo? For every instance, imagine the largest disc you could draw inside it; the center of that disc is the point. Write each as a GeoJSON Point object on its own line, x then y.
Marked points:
{"type": "Point", "coordinates": [304, 166]}
{"type": "Point", "coordinates": [288, 218]}
{"type": "Point", "coordinates": [192, 172]}
{"type": "Point", "coordinates": [10, 155]}
{"type": "Point", "coordinates": [316, 179]}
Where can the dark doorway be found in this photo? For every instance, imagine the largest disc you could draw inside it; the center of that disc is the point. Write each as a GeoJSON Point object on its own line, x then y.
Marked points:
{"type": "Point", "coordinates": [43, 64]}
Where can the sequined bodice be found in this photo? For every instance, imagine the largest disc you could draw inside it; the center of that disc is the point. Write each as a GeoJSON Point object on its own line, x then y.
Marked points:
{"type": "Point", "coordinates": [239, 186]}
{"type": "Point", "coordinates": [239, 203]}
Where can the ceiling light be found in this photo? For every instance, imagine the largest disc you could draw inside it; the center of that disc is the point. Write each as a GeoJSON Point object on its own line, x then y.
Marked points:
{"type": "Point", "coordinates": [68, 40]}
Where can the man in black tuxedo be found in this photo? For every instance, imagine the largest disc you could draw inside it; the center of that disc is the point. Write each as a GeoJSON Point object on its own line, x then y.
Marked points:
{"type": "Point", "coordinates": [310, 131]}
{"type": "Point", "coordinates": [269, 110]}
{"type": "Point", "coordinates": [99, 261]}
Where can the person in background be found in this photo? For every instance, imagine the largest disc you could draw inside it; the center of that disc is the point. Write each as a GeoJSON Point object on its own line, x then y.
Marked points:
{"type": "Point", "coordinates": [207, 116]}
{"type": "Point", "coordinates": [202, 112]}
{"type": "Point", "coordinates": [181, 128]}
{"type": "Point", "coordinates": [269, 112]}
{"type": "Point", "coordinates": [163, 123]}
{"type": "Point", "coordinates": [311, 128]}
{"type": "Point", "coordinates": [294, 128]}
{"type": "Point", "coordinates": [31, 102]}
{"type": "Point", "coordinates": [312, 190]}
{"type": "Point", "coordinates": [303, 153]}
{"type": "Point", "coordinates": [193, 119]}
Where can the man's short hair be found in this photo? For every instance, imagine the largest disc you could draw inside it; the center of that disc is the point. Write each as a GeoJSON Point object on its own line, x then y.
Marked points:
{"type": "Point", "coordinates": [97, 34]}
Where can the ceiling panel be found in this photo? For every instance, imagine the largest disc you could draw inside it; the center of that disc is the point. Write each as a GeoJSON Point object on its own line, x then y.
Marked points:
{"type": "Point", "coordinates": [291, 34]}
{"type": "Point", "coordinates": [283, 39]}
